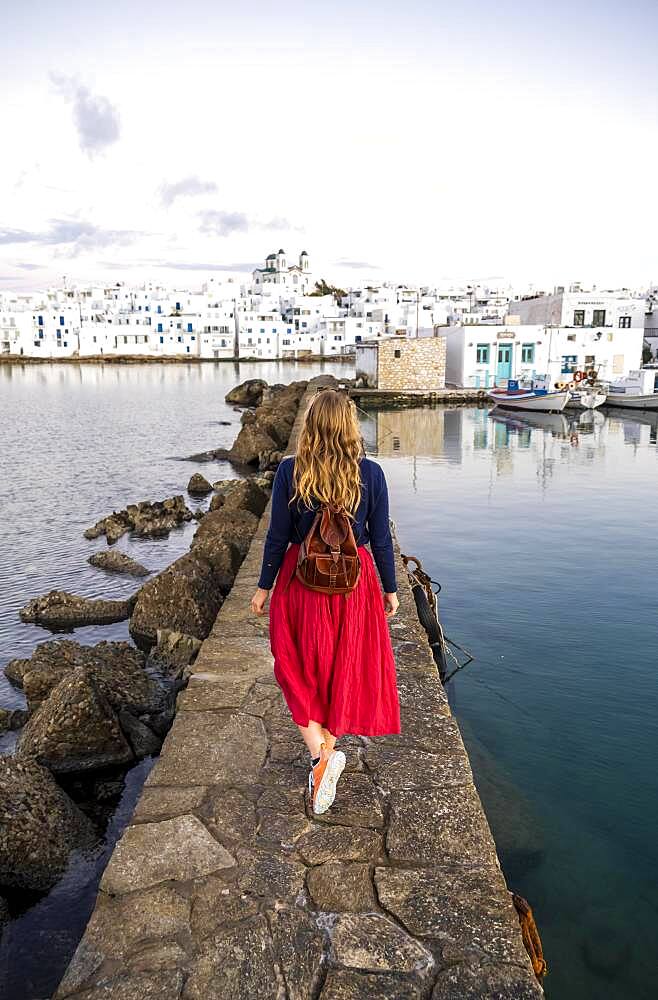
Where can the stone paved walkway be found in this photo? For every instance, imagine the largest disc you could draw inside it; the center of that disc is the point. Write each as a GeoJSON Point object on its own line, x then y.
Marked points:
{"type": "Point", "coordinates": [224, 886]}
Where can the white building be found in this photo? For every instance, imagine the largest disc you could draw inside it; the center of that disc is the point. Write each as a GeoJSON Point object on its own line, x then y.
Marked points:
{"type": "Point", "coordinates": [276, 277]}
{"type": "Point", "coordinates": [481, 356]}
{"type": "Point", "coordinates": [611, 310]}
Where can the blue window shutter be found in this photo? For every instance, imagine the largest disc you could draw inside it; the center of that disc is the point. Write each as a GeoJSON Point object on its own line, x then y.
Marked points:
{"type": "Point", "coordinates": [160, 330]}
{"type": "Point", "coordinates": [189, 328]}
{"type": "Point", "coordinates": [40, 320]}
{"type": "Point", "coordinates": [61, 321]}
{"type": "Point", "coordinates": [162, 340]}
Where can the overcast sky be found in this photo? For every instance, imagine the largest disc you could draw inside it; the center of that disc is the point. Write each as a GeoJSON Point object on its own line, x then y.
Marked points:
{"type": "Point", "coordinates": [417, 140]}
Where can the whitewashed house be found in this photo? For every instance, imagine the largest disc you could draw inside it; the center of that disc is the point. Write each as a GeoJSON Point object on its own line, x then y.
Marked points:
{"type": "Point", "coordinates": [611, 310]}
{"type": "Point", "coordinates": [260, 335]}
{"type": "Point", "coordinates": [487, 355]}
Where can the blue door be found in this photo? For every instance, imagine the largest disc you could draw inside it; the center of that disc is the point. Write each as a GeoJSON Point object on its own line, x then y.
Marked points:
{"type": "Point", "coordinates": [504, 365]}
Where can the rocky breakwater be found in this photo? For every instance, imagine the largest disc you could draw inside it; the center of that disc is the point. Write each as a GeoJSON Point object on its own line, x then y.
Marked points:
{"type": "Point", "coordinates": [93, 711]}
{"type": "Point", "coordinates": [225, 885]}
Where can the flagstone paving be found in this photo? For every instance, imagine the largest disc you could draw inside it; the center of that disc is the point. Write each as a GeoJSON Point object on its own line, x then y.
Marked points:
{"type": "Point", "coordinates": [225, 886]}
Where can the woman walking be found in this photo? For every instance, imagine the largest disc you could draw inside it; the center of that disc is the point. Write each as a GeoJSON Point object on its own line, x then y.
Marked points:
{"type": "Point", "coordinates": [332, 651]}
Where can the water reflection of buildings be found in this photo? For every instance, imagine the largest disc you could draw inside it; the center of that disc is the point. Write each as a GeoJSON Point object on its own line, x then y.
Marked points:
{"type": "Point", "coordinates": [506, 439]}
{"type": "Point", "coordinates": [425, 432]}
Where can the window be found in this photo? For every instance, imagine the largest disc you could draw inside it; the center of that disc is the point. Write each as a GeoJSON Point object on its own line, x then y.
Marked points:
{"type": "Point", "coordinates": [528, 354]}
{"type": "Point", "coordinates": [598, 317]}
{"type": "Point", "coordinates": [397, 353]}
{"type": "Point", "coordinates": [589, 360]}
{"type": "Point", "coordinates": [179, 339]}
{"type": "Point", "coordinates": [162, 340]}
{"type": "Point", "coordinates": [66, 343]}
{"type": "Point", "coordinates": [187, 349]}
{"type": "Point", "coordinates": [569, 364]}
{"type": "Point", "coordinates": [40, 334]}
{"type": "Point", "coordinates": [579, 317]}
{"type": "Point", "coordinates": [160, 330]}
{"type": "Point", "coordinates": [189, 328]}
{"type": "Point", "coordinates": [285, 342]}
{"type": "Point", "coordinates": [625, 322]}
{"type": "Point", "coordinates": [37, 343]}
{"type": "Point", "coordinates": [61, 321]}
{"type": "Point", "coordinates": [304, 324]}
{"type": "Point", "coordinates": [482, 354]}
{"type": "Point", "coordinates": [192, 338]}
{"type": "Point", "coordinates": [572, 337]}
{"type": "Point", "coordinates": [40, 320]}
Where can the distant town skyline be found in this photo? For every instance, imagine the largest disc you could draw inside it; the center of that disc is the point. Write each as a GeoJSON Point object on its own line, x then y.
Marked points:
{"type": "Point", "coordinates": [428, 143]}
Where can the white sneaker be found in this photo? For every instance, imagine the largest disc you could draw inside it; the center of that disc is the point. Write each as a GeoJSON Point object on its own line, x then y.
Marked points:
{"type": "Point", "coordinates": [322, 781]}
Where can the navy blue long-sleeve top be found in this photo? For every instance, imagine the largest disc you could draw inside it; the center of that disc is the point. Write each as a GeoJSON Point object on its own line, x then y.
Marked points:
{"type": "Point", "coordinates": [290, 522]}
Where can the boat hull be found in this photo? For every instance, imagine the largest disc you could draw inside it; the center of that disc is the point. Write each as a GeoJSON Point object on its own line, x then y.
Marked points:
{"type": "Point", "coordinates": [551, 402]}
{"type": "Point", "coordinates": [620, 399]}
{"type": "Point", "coordinates": [586, 399]}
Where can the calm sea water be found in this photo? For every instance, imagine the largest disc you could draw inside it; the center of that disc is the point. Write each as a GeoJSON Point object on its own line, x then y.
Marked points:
{"type": "Point", "coordinates": [543, 536]}
{"type": "Point", "coordinates": [543, 539]}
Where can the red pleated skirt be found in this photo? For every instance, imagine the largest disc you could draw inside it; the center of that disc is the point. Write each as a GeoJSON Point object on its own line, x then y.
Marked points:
{"type": "Point", "coordinates": [333, 658]}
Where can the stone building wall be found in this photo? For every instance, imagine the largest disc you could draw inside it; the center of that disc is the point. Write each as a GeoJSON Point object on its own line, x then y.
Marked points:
{"type": "Point", "coordinates": [409, 364]}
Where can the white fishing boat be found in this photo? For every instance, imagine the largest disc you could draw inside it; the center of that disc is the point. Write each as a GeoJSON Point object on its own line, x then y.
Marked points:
{"type": "Point", "coordinates": [636, 391]}
{"type": "Point", "coordinates": [535, 400]}
{"type": "Point", "coordinates": [586, 397]}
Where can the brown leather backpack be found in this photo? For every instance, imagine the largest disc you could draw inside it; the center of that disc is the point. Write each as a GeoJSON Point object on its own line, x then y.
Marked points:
{"type": "Point", "coordinates": [328, 558]}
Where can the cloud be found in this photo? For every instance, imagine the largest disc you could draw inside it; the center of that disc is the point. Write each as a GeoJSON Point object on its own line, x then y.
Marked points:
{"type": "Point", "coordinates": [96, 120]}
{"type": "Point", "coordinates": [220, 223]}
{"type": "Point", "coordinates": [358, 265]}
{"type": "Point", "coordinates": [217, 223]}
{"type": "Point", "coordinates": [185, 188]}
{"type": "Point", "coordinates": [30, 267]}
{"type": "Point", "coordinates": [75, 235]}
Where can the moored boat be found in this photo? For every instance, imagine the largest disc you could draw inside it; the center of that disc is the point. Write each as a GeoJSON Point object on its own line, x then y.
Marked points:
{"type": "Point", "coordinates": [534, 400]}
{"type": "Point", "coordinates": [586, 397]}
{"type": "Point", "coordinates": [637, 391]}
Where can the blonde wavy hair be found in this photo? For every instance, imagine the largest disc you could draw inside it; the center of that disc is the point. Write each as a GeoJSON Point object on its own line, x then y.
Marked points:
{"type": "Point", "coordinates": [328, 452]}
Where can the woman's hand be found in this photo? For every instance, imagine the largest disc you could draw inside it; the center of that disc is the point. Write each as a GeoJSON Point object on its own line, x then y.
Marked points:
{"type": "Point", "coordinates": [391, 604]}
{"type": "Point", "coordinates": [258, 601]}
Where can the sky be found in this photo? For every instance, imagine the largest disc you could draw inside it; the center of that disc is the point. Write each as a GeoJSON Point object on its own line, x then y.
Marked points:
{"type": "Point", "coordinates": [508, 142]}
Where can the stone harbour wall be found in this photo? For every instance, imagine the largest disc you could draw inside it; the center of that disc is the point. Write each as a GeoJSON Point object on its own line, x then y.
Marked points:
{"type": "Point", "coordinates": [224, 886]}
{"type": "Point", "coordinates": [408, 363]}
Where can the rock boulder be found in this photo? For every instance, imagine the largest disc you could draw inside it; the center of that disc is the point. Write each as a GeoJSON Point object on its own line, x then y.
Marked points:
{"type": "Point", "coordinates": [185, 597]}
{"type": "Point", "coordinates": [40, 827]}
{"type": "Point", "coordinates": [117, 562]}
{"type": "Point", "coordinates": [117, 668]}
{"type": "Point", "coordinates": [198, 485]}
{"type": "Point", "coordinates": [241, 494]}
{"type": "Point", "coordinates": [248, 393]}
{"type": "Point", "coordinates": [59, 609]}
{"type": "Point", "coordinates": [146, 520]}
{"type": "Point", "coordinates": [75, 729]}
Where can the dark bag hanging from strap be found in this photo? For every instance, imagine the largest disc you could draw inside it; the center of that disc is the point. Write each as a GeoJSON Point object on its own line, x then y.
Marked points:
{"type": "Point", "coordinates": [328, 558]}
